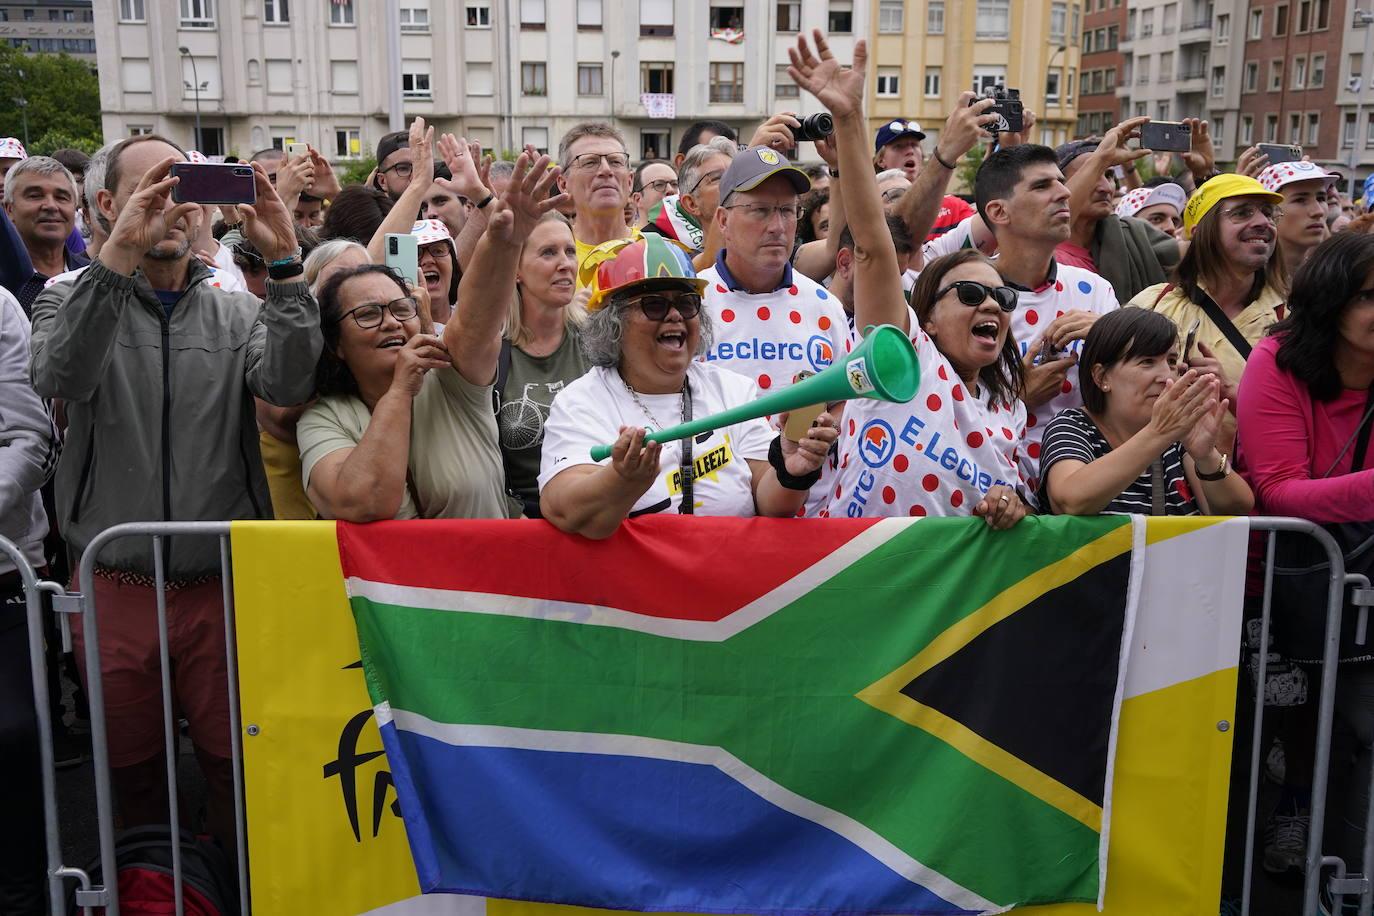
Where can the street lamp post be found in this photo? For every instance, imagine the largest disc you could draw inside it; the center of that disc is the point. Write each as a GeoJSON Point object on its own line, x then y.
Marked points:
{"type": "Point", "coordinates": [23, 104]}
{"type": "Point", "coordinates": [1364, 19]}
{"type": "Point", "coordinates": [195, 85]}
{"type": "Point", "coordinates": [614, 56]}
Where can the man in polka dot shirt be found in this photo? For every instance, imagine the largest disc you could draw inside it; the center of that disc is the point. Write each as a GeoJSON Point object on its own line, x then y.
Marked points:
{"type": "Point", "coordinates": [1022, 197]}
{"type": "Point", "coordinates": [769, 322]}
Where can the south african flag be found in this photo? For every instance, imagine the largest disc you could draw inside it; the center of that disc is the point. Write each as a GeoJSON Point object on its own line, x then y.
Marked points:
{"type": "Point", "coordinates": [771, 716]}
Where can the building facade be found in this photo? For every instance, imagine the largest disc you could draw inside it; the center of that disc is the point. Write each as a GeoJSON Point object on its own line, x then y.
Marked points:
{"type": "Point", "coordinates": [1103, 66]}
{"type": "Point", "coordinates": [501, 72]}
{"type": "Point", "coordinates": [49, 26]}
{"type": "Point", "coordinates": [926, 52]}
{"type": "Point", "coordinates": [1165, 55]}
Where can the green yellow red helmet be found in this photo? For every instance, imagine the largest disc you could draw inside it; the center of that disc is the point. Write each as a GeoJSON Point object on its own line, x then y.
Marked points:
{"type": "Point", "coordinates": [651, 261]}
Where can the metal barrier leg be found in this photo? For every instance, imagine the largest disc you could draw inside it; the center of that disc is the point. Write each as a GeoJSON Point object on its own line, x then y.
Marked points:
{"type": "Point", "coordinates": [100, 748]}
{"type": "Point", "coordinates": [235, 734]}
{"type": "Point", "coordinates": [1257, 738]}
{"type": "Point", "coordinates": [170, 736]}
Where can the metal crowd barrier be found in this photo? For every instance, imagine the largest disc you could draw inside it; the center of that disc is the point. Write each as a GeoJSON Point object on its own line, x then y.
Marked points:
{"type": "Point", "coordinates": [1342, 882]}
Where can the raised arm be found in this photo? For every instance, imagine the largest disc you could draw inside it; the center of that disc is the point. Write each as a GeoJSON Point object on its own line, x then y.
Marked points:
{"type": "Point", "coordinates": [473, 335]}
{"type": "Point", "coordinates": [817, 259]}
{"type": "Point", "coordinates": [407, 208]}
{"type": "Point", "coordinates": [878, 296]}
{"type": "Point", "coordinates": [468, 181]}
{"type": "Point", "coordinates": [964, 129]}
{"type": "Point", "coordinates": [1112, 151]}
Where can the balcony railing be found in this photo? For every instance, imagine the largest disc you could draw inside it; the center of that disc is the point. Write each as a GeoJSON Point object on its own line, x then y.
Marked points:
{"type": "Point", "coordinates": [1192, 74]}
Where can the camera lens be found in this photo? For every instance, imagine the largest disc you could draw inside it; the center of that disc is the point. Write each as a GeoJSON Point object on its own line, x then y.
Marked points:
{"type": "Point", "coordinates": [815, 127]}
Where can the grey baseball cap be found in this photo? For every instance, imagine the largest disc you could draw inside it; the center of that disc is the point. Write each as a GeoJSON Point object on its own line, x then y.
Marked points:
{"type": "Point", "coordinates": [755, 165]}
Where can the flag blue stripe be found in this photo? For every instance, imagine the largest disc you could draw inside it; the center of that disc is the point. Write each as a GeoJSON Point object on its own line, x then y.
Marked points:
{"type": "Point", "coordinates": [622, 832]}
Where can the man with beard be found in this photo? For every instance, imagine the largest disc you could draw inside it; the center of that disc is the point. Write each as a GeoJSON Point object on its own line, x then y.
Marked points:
{"type": "Point", "coordinates": [156, 366]}
{"type": "Point", "coordinates": [1231, 283]}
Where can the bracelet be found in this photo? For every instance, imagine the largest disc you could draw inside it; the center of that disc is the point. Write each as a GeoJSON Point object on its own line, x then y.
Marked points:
{"type": "Point", "coordinates": [1218, 474]}
{"type": "Point", "coordinates": [293, 256]}
{"type": "Point", "coordinates": [287, 271]}
{"type": "Point", "coordinates": [936, 155]}
{"type": "Point", "coordinates": [486, 200]}
{"type": "Point", "coordinates": [787, 480]}
{"type": "Point", "coordinates": [834, 173]}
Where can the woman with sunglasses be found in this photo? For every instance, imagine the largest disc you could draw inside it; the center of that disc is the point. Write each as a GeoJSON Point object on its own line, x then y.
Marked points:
{"type": "Point", "coordinates": [644, 334]}
{"type": "Point", "coordinates": [403, 427]}
{"type": "Point", "coordinates": [1144, 440]}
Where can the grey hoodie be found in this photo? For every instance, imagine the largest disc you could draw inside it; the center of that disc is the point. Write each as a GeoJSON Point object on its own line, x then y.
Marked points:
{"type": "Point", "coordinates": [160, 411]}
{"type": "Point", "coordinates": [28, 445]}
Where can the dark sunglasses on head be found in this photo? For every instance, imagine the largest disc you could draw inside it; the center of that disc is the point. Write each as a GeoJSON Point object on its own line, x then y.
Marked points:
{"type": "Point", "coordinates": [248, 260]}
{"type": "Point", "coordinates": [656, 306]}
{"type": "Point", "coordinates": [973, 293]}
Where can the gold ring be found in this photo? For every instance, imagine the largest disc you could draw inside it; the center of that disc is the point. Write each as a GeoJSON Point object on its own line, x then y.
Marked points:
{"type": "Point", "coordinates": [1004, 498]}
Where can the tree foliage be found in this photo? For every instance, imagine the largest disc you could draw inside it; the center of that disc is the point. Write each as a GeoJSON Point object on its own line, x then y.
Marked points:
{"type": "Point", "coordinates": [63, 100]}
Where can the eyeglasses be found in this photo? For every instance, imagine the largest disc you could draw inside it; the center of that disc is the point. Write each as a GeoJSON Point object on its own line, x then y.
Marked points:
{"type": "Point", "coordinates": [656, 306]}
{"type": "Point", "coordinates": [661, 186]}
{"type": "Point", "coordinates": [903, 126]}
{"type": "Point", "coordinates": [760, 213]}
{"type": "Point", "coordinates": [892, 194]}
{"type": "Point", "coordinates": [436, 250]}
{"type": "Point", "coordinates": [591, 162]}
{"type": "Point", "coordinates": [1245, 212]}
{"type": "Point", "coordinates": [369, 314]}
{"type": "Point", "coordinates": [247, 260]}
{"type": "Point", "coordinates": [402, 169]}
{"type": "Point", "coordinates": [709, 178]}
{"type": "Point", "coordinates": [973, 293]}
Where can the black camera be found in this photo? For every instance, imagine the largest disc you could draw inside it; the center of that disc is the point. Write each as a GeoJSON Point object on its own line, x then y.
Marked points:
{"type": "Point", "coordinates": [814, 127]}
{"type": "Point", "coordinates": [1008, 108]}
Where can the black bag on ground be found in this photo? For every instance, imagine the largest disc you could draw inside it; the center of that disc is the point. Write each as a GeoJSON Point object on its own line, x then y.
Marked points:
{"type": "Point", "coordinates": [146, 886]}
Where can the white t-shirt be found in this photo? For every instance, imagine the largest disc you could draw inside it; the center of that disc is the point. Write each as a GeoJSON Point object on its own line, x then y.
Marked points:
{"type": "Point", "coordinates": [224, 262]}
{"type": "Point", "coordinates": [933, 456]}
{"type": "Point", "coordinates": [771, 337]}
{"type": "Point", "coordinates": [218, 279]}
{"type": "Point", "coordinates": [591, 410]}
{"type": "Point", "coordinates": [1069, 288]}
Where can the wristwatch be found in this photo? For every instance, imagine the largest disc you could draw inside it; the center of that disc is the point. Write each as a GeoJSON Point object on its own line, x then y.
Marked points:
{"type": "Point", "coordinates": [1219, 474]}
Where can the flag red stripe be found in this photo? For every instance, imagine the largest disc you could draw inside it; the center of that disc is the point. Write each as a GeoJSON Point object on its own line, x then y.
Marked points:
{"type": "Point", "coordinates": [665, 566]}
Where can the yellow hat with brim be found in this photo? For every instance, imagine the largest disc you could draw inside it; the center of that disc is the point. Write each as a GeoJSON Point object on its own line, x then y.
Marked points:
{"type": "Point", "coordinates": [1217, 189]}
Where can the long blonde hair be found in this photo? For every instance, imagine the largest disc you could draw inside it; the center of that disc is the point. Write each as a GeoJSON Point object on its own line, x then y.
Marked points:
{"type": "Point", "coordinates": [574, 313]}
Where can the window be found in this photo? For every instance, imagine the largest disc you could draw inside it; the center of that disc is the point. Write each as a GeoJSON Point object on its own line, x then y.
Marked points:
{"type": "Point", "coordinates": [1113, 37]}
{"type": "Point", "coordinates": [532, 14]}
{"type": "Point", "coordinates": [841, 18]}
{"type": "Point", "coordinates": [210, 141]}
{"type": "Point", "coordinates": [1314, 124]}
{"type": "Point", "coordinates": [1313, 15]}
{"type": "Point", "coordinates": [140, 130]}
{"type": "Point", "coordinates": [1281, 19]}
{"type": "Point", "coordinates": [1222, 33]}
{"type": "Point", "coordinates": [1251, 76]}
{"type": "Point", "coordinates": [935, 17]}
{"type": "Point", "coordinates": [1271, 128]}
{"type": "Point", "coordinates": [1140, 109]}
{"type": "Point", "coordinates": [1068, 89]}
{"type": "Point", "coordinates": [415, 79]}
{"type": "Point", "coordinates": [1316, 72]}
{"type": "Point", "coordinates": [589, 79]}
{"type": "Point", "coordinates": [1059, 20]}
{"type": "Point", "coordinates": [478, 13]}
{"type": "Point", "coordinates": [655, 18]}
{"type": "Point", "coordinates": [1348, 130]}
{"type": "Point", "coordinates": [1295, 128]}
{"type": "Point", "coordinates": [340, 12]}
{"type": "Point", "coordinates": [130, 10]}
{"type": "Point", "coordinates": [994, 19]}
{"type": "Point", "coordinates": [1147, 23]}
{"type": "Point", "coordinates": [1166, 67]}
{"type": "Point", "coordinates": [1130, 25]}
{"type": "Point", "coordinates": [1162, 111]}
{"type": "Point", "coordinates": [727, 82]}
{"type": "Point", "coordinates": [478, 78]}
{"type": "Point", "coordinates": [206, 69]}
{"type": "Point", "coordinates": [1299, 72]}
{"type": "Point", "coordinates": [537, 137]}
{"type": "Point", "coordinates": [348, 143]}
{"type": "Point", "coordinates": [986, 77]}
{"type": "Point", "coordinates": [654, 144]}
{"type": "Point", "coordinates": [197, 14]}
{"type": "Point", "coordinates": [728, 16]}
{"type": "Point", "coordinates": [784, 87]}
{"type": "Point", "coordinates": [135, 75]}
{"type": "Point", "coordinates": [891, 15]}
{"type": "Point", "coordinates": [279, 76]}
{"type": "Point", "coordinates": [1276, 75]}
{"type": "Point", "coordinates": [414, 19]}
{"type": "Point", "coordinates": [1256, 24]}
{"type": "Point", "coordinates": [889, 82]}
{"type": "Point", "coordinates": [1218, 131]}
{"type": "Point", "coordinates": [1088, 42]}
{"type": "Point", "coordinates": [1170, 19]}
{"type": "Point", "coordinates": [275, 11]}
{"type": "Point", "coordinates": [281, 136]}
{"type": "Point", "coordinates": [1369, 129]}
{"type": "Point", "coordinates": [932, 85]}
{"type": "Point", "coordinates": [789, 15]}
{"type": "Point", "coordinates": [656, 77]}
{"type": "Point", "coordinates": [1052, 88]}
{"type": "Point", "coordinates": [1073, 26]}
{"type": "Point", "coordinates": [1247, 130]}
{"type": "Point", "coordinates": [1143, 68]}
{"type": "Point", "coordinates": [534, 79]}
{"type": "Point", "coordinates": [1109, 80]}
{"type": "Point", "coordinates": [343, 76]}
{"type": "Point", "coordinates": [589, 15]}
{"type": "Point", "coordinates": [1218, 82]}
{"type": "Point", "coordinates": [28, 15]}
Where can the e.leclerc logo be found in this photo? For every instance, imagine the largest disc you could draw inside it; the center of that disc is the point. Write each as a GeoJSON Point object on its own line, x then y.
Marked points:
{"type": "Point", "coordinates": [877, 442]}
{"type": "Point", "coordinates": [820, 352]}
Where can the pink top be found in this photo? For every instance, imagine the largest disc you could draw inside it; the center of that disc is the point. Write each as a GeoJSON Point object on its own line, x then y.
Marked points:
{"type": "Point", "coordinates": [1290, 440]}
{"type": "Point", "coordinates": [1076, 255]}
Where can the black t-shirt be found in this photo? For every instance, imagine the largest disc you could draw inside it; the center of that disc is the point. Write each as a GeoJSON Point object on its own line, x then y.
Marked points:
{"type": "Point", "coordinates": [1073, 434]}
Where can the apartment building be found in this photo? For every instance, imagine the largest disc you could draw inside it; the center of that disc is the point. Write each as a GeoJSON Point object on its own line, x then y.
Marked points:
{"type": "Point", "coordinates": [1165, 53]}
{"type": "Point", "coordinates": [1104, 24]}
{"type": "Point", "coordinates": [503, 72]}
{"type": "Point", "coordinates": [926, 52]}
{"type": "Point", "coordinates": [49, 26]}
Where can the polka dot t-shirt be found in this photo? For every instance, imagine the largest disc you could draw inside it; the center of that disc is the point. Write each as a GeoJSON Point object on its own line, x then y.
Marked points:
{"type": "Point", "coordinates": [1068, 288]}
{"type": "Point", "coordinates": [934, 456]}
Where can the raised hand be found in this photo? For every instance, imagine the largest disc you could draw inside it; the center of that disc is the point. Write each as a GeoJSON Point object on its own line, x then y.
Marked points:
{"type": "Point", "coordinates": [1252, 162]}
{"type": "Point", "coordinates": [776, 132]}
{"type": "Point", "coordinates": [1182, 404]}
{"type": "Point", "coordinates": [268, 224]}
{"type": "Point", "coordinates": [1113, 151]}
{"type": "Point", "coordinates": [294, 176]}
{"type": "Point", "coordinates": [527, 199]}
{"type": "Point", "coordinates": [825, 148]}
{"type": "Point", "coordinates": [420, 354]}
{"type": "Point", "coordinates": [421, 154]}
{"type": "Point", "coordinates": [1016, 138]}
{"type": "Point", "coordinates": [1202, 158]}
{"type": "Point", "coordinates": [840, 89]}
{"type": "Point", "coordinates": [966, 127]}
{"type": "Point", "coordinates": [1200, 440]}
{"type": "Point", "coordinates": [146, 218]}
{"type": "Point", "coordinates": [458, 156]}
{"type": "Point", "coordinates": [801, 458]}
{"type": "Point", "coordinates": [326, 184]}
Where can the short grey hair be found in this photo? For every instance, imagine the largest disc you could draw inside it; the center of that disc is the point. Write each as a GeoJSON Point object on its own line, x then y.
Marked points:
{"type": "Point", "coordinates": [887, 174]}
{"type": "Point", "coordinates": [689, 176]}
{"type": "Point", "coordinates": [501, 168]}
{"type": "Point", "coordinates": [95, 183]}
{"type": "Point", "coordinates": [325, 254]}
{"type": "Point", "coordinates": [588, 129]}
{"type": "Point", "coordinates": [39, 165]}
{"type": "Point", "coordinates": [603, 330]}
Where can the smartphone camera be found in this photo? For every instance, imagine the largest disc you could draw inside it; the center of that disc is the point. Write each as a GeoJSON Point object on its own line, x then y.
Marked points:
{"type": "Point", "coordinates": [395, 246]}
{"type": "Point", "coordinates": [1008, 107]}
{"type": "Point", "coordinates": [815, 127]}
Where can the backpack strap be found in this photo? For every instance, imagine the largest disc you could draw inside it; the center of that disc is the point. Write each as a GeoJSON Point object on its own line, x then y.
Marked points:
{"type": "Point", "coordinates": [503, 362]}
{"type": "Point", "coordinates": [1168, 288]}
{"type": "Point", "coordinates": [1362, 442]}
{"type": "Point", "coordinates": [1224, 324]}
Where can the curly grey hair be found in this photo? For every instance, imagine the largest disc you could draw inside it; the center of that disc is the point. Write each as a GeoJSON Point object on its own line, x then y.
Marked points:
{"type": "Point", "coordinates": [602, 332]}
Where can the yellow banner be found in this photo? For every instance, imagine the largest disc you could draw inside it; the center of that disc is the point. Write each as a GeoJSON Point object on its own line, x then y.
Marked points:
{"type": "Point", "coordinates": [324, 836]}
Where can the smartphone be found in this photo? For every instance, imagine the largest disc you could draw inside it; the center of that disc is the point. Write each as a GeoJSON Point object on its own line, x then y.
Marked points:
{"type": "Point", "coordinates": [297, 149]}
{"type": "Point", "coordinates": [214, 183]}
{"type": "Point", "coordinates": [1190, 340]}
{"type": "Point", "coordinates": [1166, 136]}
{"type": "Point", "coordinates": [1048, 354]}
{"type": "Point", "coordinates": [1280, 152]}
{"type": "Point", "coordinates": [402, 255]}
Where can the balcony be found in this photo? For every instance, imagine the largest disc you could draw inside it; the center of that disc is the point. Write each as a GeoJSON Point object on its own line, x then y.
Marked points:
{"type": "Point", "coordinates": [1197, 32]}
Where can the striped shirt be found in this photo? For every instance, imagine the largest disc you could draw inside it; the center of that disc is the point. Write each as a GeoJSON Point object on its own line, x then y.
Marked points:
{"type": "Point", "coordinates": [1072, 434]}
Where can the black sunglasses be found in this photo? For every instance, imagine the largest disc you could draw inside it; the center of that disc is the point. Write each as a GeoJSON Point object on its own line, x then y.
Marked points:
{"type": "Point", "coordinates": [973, 293]}
{"type": "Point", "coordinates": [656, 306]}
